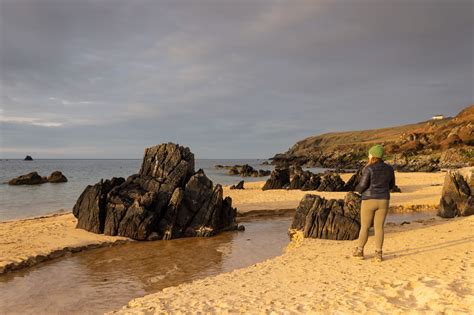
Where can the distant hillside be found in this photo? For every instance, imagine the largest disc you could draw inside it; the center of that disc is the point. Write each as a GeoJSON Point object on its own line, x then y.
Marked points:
{"type": "Point", "coordinates": [424, 146]}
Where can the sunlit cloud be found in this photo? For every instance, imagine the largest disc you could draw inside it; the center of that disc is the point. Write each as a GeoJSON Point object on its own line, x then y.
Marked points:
{"type": "Point", "coordinates": [30, 121]}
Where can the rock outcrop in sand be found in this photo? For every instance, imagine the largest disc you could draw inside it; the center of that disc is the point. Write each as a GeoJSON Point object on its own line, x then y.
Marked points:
{"type": "Point", "coordinates": [457, 198]}
{"type": "Point", "coordinates": [166, 200]}
{"type": "Point", "coordinates": [317, 217]}
{"type": "Point", "coordinates": [239, 185]}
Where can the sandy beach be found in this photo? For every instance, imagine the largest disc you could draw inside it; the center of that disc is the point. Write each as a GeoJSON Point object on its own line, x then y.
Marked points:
{"type": "Point", "coordinates": [27, 242]}
{"type": "Point", "coordinates": [428, 268]}
{"type": "Point", "coordinates": [420, 191]}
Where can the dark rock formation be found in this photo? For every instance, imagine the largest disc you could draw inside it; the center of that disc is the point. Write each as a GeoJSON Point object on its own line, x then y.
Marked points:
{"type": "Point", "coordinates": [29, 179]}
{"type": "Point", "coordinates": [279, 179]}
{"type": "Point", "coordinates": [353, 181]}
{"type": "Point", "coordinates": [28, 158]}
{"type": "Point", "coordinates": [166, 199]}
{"type": "Point", "coordinates": [240, 185]}
{"type": "Point", "coordinates": [263, 173]}
{"type": "Point", "coordinates": [247, 171]}
{"type": "Point", "coordinates": [297, 178]}
{"type": "Point", "coordinates": [332, 219]}
{"type": "Point", "coordinates": [304, 180]}
{"type": "Point", "coordinates": [34, 178]}
{"type": "Point", "coordinates": [457, 198]}
{"type": "Point", "coordinates": [57, 177]}
{"type": "Point", "coordinates": [331, 182]}
{"type": "Point", "coordinates": [234, 171]}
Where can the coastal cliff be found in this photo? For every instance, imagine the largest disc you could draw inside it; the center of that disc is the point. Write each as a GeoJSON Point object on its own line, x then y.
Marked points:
{"type": "Point", "coordinates": [425, 146]}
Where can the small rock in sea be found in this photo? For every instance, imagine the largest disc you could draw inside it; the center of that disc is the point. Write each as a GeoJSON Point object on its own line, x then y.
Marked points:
{"type": "Point", "coordinates": [32, 178]}
{"type": "Point", "coordinates": [28, 158]}
{"type": "Point", "coordinates": [57, 177]}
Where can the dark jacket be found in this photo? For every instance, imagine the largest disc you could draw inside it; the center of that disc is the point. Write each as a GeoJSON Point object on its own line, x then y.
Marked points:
{"type": "Point", "coordinates": [376, 182]}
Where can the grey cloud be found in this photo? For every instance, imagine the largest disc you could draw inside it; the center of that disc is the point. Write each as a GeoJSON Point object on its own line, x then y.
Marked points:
{"type": "Point", "coordinates": [229, 78]}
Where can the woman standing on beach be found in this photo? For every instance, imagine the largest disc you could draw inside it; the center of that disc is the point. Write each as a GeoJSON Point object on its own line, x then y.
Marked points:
{"type": "Point", "coordinates": [375, 184]}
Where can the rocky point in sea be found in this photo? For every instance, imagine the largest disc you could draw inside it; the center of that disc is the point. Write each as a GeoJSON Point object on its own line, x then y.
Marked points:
{"type": "Point", "coordinates": [167, 199]}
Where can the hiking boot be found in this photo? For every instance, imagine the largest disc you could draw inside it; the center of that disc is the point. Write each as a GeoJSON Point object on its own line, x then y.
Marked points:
{"type": "Point", "coordinates": [378, 256]}
{"type": "Point", "coordinates": [358, 253]}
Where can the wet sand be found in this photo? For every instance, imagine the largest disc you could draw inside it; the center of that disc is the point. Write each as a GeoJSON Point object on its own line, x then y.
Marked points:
{"type": "Point", "coordinates": [428, 268]}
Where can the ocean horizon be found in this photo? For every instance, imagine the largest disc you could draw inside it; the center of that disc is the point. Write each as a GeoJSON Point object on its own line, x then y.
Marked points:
{"type": "Point", "coordinates": [25, 201]}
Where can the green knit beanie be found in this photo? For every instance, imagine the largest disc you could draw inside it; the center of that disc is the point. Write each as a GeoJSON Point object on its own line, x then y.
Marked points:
{"type": "Point", "coordinates": [376, 151]}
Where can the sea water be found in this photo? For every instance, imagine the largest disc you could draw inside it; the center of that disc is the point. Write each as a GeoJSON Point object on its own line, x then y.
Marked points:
{"type": "Point", "coordinates": [34, 200]}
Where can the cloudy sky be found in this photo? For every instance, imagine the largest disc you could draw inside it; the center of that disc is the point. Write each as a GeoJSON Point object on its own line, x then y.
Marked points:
{"type": "Point", "coordinates": [229, 79]}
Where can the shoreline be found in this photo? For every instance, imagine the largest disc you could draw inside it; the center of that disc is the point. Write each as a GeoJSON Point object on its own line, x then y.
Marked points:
{"type": "Point", "coordinates": [426, 269]}
{"type": "Point", "coordinates": [30, 241]}
{"type": "Point", "coordinates": [41, 254]}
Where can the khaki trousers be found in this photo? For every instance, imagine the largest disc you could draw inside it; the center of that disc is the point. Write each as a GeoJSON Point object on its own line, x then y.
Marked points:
{"type": "Point", "coordinates": [376, 210]}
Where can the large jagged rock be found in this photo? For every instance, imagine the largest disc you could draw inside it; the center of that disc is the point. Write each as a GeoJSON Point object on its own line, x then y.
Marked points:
{"type": "Point", "coordinates": [166, 199]}
{"type": "Point", "coordinates": [317, 217]}
{"type": "Point", "coordinates": [457, 198]}
{"type": "Point", "coordinates": [32, 178]}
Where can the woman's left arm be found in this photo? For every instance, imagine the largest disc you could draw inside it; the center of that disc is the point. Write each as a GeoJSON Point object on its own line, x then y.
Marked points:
{"type": "Point", "coordinates": [364, 181]}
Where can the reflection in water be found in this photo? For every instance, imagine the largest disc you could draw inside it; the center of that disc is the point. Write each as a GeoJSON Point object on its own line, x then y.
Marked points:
{"type": "Point", "coordinates": [107, 278]}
